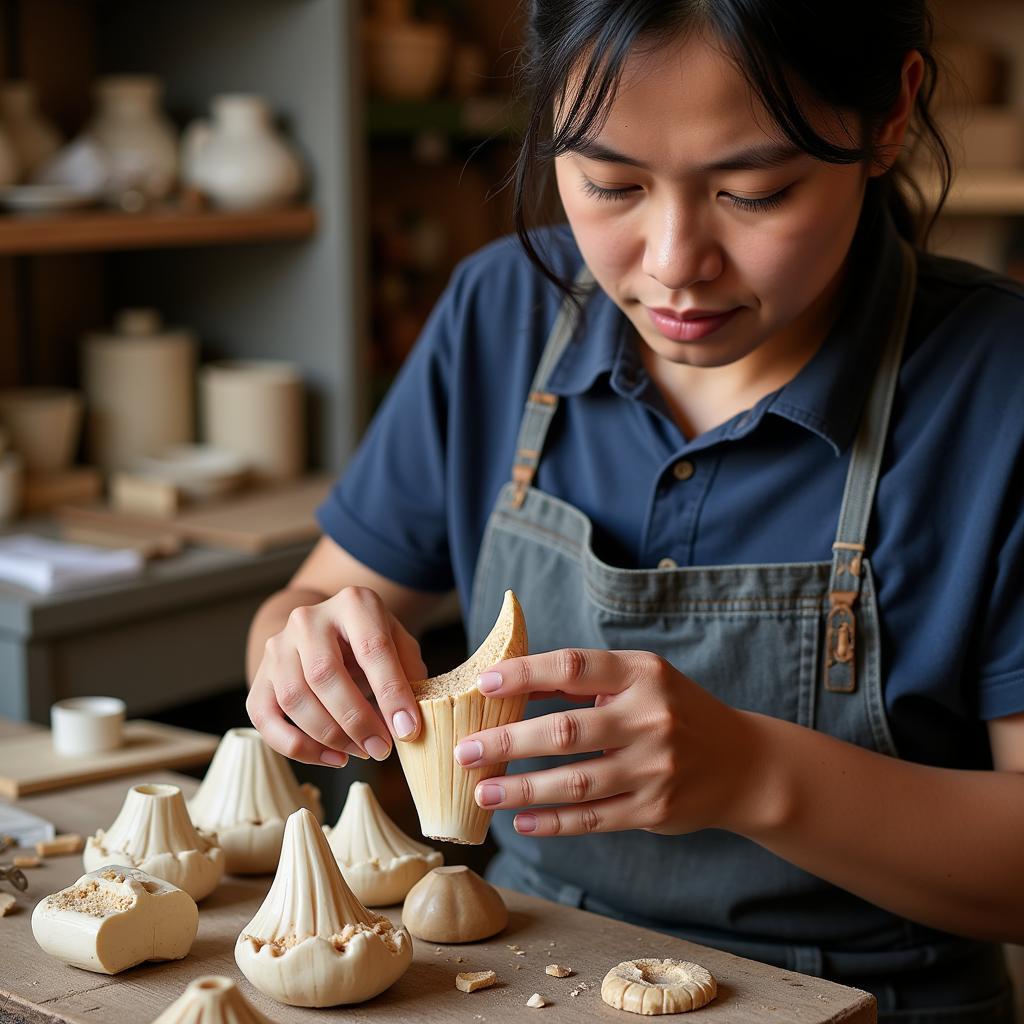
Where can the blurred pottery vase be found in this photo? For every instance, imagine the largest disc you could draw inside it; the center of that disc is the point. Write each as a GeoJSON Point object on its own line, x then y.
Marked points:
{"type": "Point", "coordinates": [32, 136]}
{"type": "Point", "coordinates": [10, 486]}
{"type": "Point", "coordinates": [240, 160]}
{"type": "Point", "coordinates": [137, 139]}
{"type": "Point", "coordinates": [44, 426]}
{"type": "Point", "coordinates": [8, 161]}
{"type": "Point", "coordinates": [256, 409]}
{"type": "Point", "coordinates": [139, 383]}
{"type": "Point", "coordinates": [405, 59]}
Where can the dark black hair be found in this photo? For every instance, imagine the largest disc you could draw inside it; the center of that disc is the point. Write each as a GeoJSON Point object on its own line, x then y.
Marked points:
{"type": "Point", "coordinates": [848, 55]}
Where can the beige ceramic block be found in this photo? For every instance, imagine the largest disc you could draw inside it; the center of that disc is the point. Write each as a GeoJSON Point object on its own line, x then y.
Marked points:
{"type": "Point", "coordinates": [379, 861]}
{"type": "Point", "coordinates": [115, 918]}
{"type": "Point", "coordinates": [312, 943]}
{"type": "Point", "coordinates": [473, 981]}
{"type": "Point", "coordinates": [212, 1000]}
{"type": "Point", "coordinates": [653, 987]}
{"type": "Point", "coordinates": [454, 905]}
{"type": "Point", "coordinates": [154, 833]}
{"type": "Point", "coordinates": [245, 798]}
{"type": "Point", "coordinates": [452, 707]}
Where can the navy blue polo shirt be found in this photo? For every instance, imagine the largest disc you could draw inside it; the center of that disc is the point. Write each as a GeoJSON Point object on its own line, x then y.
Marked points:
{"type": "Point", "coordinates": [946, 541]}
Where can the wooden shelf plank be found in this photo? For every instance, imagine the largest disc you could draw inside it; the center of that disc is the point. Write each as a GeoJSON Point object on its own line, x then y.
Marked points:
{"type": "Point", "coordinates": [106, 230]}
{"type": "Point", "coordinates": [984, 193]}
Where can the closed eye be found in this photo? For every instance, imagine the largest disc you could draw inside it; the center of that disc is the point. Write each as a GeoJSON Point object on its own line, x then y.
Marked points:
{"type": "Point", "coordinates": [761, 205]}
{"type": "Point", "coordinates": [598, 192]}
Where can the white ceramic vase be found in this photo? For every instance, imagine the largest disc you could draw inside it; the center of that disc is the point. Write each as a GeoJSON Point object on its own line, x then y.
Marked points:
{"type": "Point", "coordinates": [212, 999]}
{"type": "Point", "coordinates": [239, 159]}
{"type": "Point", "coordinates": [139, 382]}
{"type": "Point", "coordinates": [32, 136]}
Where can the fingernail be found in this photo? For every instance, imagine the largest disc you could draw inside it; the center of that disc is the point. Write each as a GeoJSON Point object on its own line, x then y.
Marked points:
{"type": "Point", "coordinates": [526, 822]}
{"type": "Point", "coordinates": [404, 723]}
{"type": "Point", "coordinates": [488, 682]}
{"type": "Point", "coordinates": [334, 758]}
{"type": "Point", "coordinates": [469, 751]}
{"type": "Point", "coordinates": [489, 795]}
{"type": "Point", "coordinates": [377, 748]}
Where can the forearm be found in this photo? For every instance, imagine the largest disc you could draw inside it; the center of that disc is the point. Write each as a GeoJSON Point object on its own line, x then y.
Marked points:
{"type": "Point", "coordinates": [938, 846]}
{"type": "Point", "coordinates": [271, 618]}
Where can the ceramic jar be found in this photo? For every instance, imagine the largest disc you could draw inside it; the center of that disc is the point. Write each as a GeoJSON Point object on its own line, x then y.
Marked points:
{"type": "Point", "coordinates": [138, 141]}
{"type": "Point", "coordinates": [140, 386]}
{"type": "Point", "coordinates": [256, 409]}
{"type": "Point", "coordinates": [32, 136]}
{"type": "Point", "coordinates": [239, 160]}
{"type": "Point", "coordinates": [405, 59]}
{"type": "Point", "coordinates": [44, 426]}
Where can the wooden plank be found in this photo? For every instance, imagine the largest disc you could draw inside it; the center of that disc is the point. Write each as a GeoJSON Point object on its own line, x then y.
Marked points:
{"type": "Point", "coordinates": [41, 989]}
{"type": "Point", "coordinates": [109, 230]}
{"type": "Point", "coordinates": [28, 764]}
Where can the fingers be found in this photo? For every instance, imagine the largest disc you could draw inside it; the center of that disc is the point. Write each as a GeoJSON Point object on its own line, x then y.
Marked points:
{"type": "Point", "coordinates": [574, 671]}
{"type": "Point", "coordinates": [594, 779]}
{"type": "Point", "coordinates": [612, 815]}
{"type": "Point", "coordinates": [581, 731]}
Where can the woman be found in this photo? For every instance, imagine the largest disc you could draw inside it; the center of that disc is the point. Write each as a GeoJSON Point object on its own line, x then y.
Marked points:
{"type": "Point", "coordinates": [756, 478]}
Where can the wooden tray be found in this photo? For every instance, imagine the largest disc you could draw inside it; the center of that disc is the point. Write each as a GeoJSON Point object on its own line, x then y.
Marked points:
{"type": "Point", "coordinates": [28, 763]}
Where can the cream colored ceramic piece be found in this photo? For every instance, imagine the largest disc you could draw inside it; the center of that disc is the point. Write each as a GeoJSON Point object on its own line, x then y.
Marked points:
{"type": "Point", "coordinates": [212, 999]}
{"type": "Point", "coordinates": [44, 425]}
{"type": "Point", "coordinates": [239, 159]}
{"type": "Point", "coordinates": [452, 707]}
{"type": "Point", "coordinates": [405, 59]}
{"type": "Point", "coordinates": [86, 725]}
{"type": "Point", "coordinates": [256, 409]}
{"type": "Point", "coordinates": [246, 797]}
{"type": "Point", "coordinates": [11, 486]}
{"type": "Point", "coordinates": [379, 861]}
{"type": "Point", "coordinates": [454, 905]}
{"type": "Point", "coordinates": [115, 918]}
{"type": "Point", "coordinates": [312, 943]}
{"type": "Point", "coordinates": [33, 137]}
{"type": "Point", "coordinates": [139, 384]}
{"type": "Point", "coordinates": [154, 833]}
{"type": "Point", "coordinates": [653, 987]}
{"type": "Point", "coordinates": [473, 981]}
{"type": "Point", "coordinates": [199, 472]}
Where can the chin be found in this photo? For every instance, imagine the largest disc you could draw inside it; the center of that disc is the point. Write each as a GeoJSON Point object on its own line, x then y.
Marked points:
{"type": "Point", "coordinates": [705, 354]}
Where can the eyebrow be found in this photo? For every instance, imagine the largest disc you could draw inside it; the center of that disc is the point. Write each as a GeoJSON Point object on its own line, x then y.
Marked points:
{"type": "Point", "coordinates": [755, 158]}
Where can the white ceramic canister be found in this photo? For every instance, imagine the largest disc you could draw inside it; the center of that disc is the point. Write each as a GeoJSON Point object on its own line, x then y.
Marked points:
{"type": "Point", "coordinates": [138, 141]}
{"type": "Point", "coordinates": [32, 136]}
{"type": "Point", "coordinates": [140, 388]}
{"type": "Point", "coordinates": [87, 725]}
{"type": "Point", "coordinates": [256, 409]}
{"type": "Point", "coordinates": [239, 159]}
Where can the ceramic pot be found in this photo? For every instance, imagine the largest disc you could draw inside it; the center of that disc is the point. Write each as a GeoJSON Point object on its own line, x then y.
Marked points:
{"type": "Point", "coordinates": [138, 141]}
{"type": "Point", "coordinates": [87, 725]}
{"type": "Point", "coordinates": [406, 60]}
{"type": "Point", "coordinates": [256, 410]}
{"type": "Point", "coordinates": [139, 382]}
{"type": "Point", "coordinates": [8, 161]}
{"type": "Point", "coordinates": [10, 486]}
{"type": "Point", "coordinates": [239, 159]}
{"type": "Point", "coordinates": [44, 424]}
{"type": "Point", "coordinates": [32, 136]}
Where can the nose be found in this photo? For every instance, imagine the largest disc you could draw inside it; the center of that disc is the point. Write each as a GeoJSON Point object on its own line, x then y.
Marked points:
{"type": "Point", "coordinates": [679, 250]}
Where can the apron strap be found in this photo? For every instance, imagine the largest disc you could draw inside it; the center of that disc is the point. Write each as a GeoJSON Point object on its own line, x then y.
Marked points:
{"type": "Point", "coordinates": [541, 405]}
{"type": "Point", "coordinates": [859, 494]}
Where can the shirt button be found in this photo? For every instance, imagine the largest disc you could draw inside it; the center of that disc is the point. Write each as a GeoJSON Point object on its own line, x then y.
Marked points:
{"type": "Point", "coordinates": [667, 563]}
{"type": "Point", "coordinates": [683, 469]}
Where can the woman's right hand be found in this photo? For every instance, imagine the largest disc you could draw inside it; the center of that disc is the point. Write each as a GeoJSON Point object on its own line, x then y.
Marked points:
{"type": "Point", "coordinates": [309, 697]}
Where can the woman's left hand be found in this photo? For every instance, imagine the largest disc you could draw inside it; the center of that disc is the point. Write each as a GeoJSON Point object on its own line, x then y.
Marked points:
{"type": "Point", "coordinates": [675, 759]}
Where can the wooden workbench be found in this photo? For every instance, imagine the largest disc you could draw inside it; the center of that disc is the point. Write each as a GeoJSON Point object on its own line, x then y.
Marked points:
{"type": "Point", "coordinates": [34, 988]}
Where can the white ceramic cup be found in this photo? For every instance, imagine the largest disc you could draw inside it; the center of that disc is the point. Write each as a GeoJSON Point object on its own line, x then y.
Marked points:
{"type": "Point", "coordinates": [87, 725]}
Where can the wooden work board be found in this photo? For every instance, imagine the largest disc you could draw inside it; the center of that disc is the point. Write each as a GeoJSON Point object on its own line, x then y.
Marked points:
{"type": "Point", "coordinates": [34, 988]}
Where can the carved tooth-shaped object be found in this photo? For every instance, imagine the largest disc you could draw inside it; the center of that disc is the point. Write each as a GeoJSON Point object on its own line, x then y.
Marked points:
{"type": "Point", "coordinates": [454, 905]}
{"type": "Point", "coordinates": [379, 861]}
{"type": "Point", "coordinates": [154, 833]}
{"type": "Point", "coordinates": [212, 999]}
{"type": "Point", "coordinates": [451, 708]}
{"type": "Point", "coordinates": [245, 798]}
{"type": "Point", "coordinates": [312, 943]}
{"type": "Point", "coordinates": [115, 918]}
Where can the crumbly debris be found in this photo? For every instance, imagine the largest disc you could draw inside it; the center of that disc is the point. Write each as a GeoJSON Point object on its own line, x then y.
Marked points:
{"type": "Point", "coordinates": [27, 860]}
{"type": "Point", "coordinates": [380, 926]}
{"type": "Point", "coordinates": [92, 899]}
{"type": "Point", "coordinates": [7, 903]}
{"type": "Point", "coordinates": [536, 1001]}
{"type": "Point", "coordinates": [558, 971]}
{"type": "Point", "coordinates": [474, 980]}
{"type": "Point", "coordinates": [69, 842]}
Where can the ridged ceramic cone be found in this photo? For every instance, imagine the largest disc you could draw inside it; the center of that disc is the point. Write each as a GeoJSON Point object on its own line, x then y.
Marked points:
{"type": "Point", "coordinates": [452, 707]}
{"type": "Point", "coordinates": [379, 861]}
{"type": "Point", "coordinates": [246, 797]}
{"type": "Point", "coordinates": [312, 943]}
{"type": "Point", "coordinates": [154, 833]}
{"type": "Point", "coordinates": [212, 1000]}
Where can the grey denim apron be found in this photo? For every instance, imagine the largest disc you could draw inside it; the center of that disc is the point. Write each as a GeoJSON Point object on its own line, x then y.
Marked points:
{"type": "Point", "coordinates": [730, 628]}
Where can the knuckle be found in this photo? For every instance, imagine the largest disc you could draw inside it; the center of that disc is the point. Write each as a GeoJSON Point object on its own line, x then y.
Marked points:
{"type": "Point", "coordinates": [392, 691]}
{"type": "Point", "coordinates": [293, 748]}
{"type": "Point", "coordinates": [290, 696]}
{"type": "Point", "coordinates": [503, 738]}
{"type": "Point", "coordinates": [573, 663]}
{"type": "Point", "coordinates": [565, 732]}
{"type": "Point", "coordinates": [590, 820]}
{"type": "Point", "coordinates": [372, 647]}
{"type": "Point", "coordinates": [300, 618]}
{"type": "Point", "coordinates": [331, 736]}
{"type": "Point", "coordinates": [527, 788]}
{"type": "Point", "coordinates": [321, 671]}
{"type": "Point", "coordinates": [660, 809]}
{"type": "Point", "coordinates": [579, 784]}
{"type": "Point", "coordinates": [352, 721]}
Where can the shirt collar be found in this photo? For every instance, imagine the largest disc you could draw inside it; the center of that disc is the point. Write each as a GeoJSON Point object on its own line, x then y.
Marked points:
{"type": "Point", "coordinates": [825, 397]}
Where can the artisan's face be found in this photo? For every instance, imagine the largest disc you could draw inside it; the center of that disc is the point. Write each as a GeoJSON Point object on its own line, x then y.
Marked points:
{"type": "Point", "coordinates": [714, 212]}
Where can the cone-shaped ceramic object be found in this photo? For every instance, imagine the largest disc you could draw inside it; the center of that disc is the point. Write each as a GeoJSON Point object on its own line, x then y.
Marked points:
{"type": "Point", "coordinates": [454, 905]}
{"type": "Point", "coordinates": [452, 707]}
{"type": "Point", "coordinates": [154, 833]}
{"type": "Point", "coordinates": [312, 943]}
{"type": "Point", "coordinates": [115, 918]}
{"type": "Point", "coordinates": [379, 861]}
{"type": "Point", "coordinates": [212, 1000]}
{"type": "Point", "coordinates": [246, 797]}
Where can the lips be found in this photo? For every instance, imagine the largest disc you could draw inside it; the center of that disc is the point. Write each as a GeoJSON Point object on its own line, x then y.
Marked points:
{"type": "Point", "coordinates": [689, 324]}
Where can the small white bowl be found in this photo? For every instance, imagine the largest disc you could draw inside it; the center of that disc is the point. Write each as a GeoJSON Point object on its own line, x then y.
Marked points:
{"type": "Point", "coordinates": [198, 471]}
{"type": "Point", "coordinates": [87, 725]}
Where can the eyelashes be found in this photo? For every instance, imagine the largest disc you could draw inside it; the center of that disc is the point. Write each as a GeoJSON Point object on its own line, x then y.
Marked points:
{"type": "Point", "coordinates": [762, 205]}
